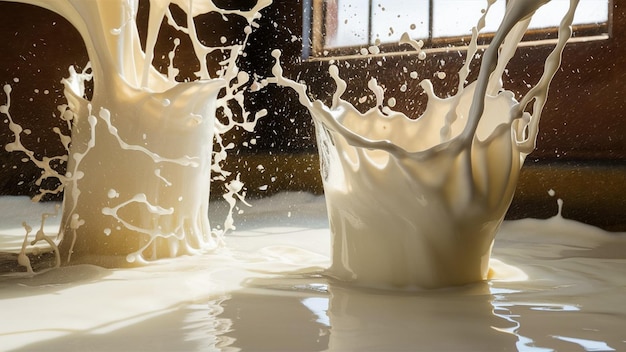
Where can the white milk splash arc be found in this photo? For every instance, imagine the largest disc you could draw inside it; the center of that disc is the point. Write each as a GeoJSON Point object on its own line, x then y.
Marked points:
{"type": "Point", "coordinates": [418, 202]}
{"type": "Point", "coordinates": [139, 168]}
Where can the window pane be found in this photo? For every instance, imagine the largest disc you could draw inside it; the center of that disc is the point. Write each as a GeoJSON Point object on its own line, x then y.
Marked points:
{"type": "Point", "coordinates": [592, 11]}
{"type": "Point", "coordinates": [458, 17]}
{"type": "Point", "coordinates": [588, 11]}
{"type": "Point", "coordinates": [359, 23]}
{"type": "Point", "coordinates": [394, 17]}
{"type": "Point", "coordinates": [346, 23]}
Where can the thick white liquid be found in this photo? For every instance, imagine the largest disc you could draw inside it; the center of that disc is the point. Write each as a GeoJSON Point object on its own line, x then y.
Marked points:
{"type": "Point", "coordinates": [252, 298]}
{"type": "Point", "coordinates": [140, 158]}
{"type": "Point", "coordinates": [418, 202]}
{"type": "Point", "coordinates": [412, 203]}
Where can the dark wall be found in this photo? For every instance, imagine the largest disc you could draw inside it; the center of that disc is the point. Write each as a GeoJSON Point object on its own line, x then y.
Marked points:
{"type": "Point", "coordinates": [36, 49]}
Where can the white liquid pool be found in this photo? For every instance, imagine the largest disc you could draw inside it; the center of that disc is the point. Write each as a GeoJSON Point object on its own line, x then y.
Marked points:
{"type": "Point", "coordinates": [250, 296]}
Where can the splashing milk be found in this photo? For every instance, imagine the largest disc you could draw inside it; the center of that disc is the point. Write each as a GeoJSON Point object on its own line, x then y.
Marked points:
{"type": "Point", "coordinates": [139, 166]}
{"type": "Point", "coordinates": [411, 202]}
{"type": "Point", "coordinates": [417, 202]}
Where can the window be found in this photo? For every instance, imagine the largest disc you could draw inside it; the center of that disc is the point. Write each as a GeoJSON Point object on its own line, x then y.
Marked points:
{"type": "Point", "coordinates": [342, 27]}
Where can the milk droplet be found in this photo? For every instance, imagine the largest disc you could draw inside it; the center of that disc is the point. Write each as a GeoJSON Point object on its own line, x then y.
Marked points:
{"type": "Point", "coordinates": [374, 50]}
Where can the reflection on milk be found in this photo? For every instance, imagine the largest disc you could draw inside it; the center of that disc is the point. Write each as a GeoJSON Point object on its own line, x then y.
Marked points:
{"type": "Point", "coordinates": [370, 320]}
{"type": "Point", "coordinates": [332, 317]}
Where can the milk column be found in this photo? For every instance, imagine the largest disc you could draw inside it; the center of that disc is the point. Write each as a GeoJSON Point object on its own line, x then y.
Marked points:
{"type": "Point", "coordinates": [137, 182]}
{"type": "Point", "coordinates": [418, 202]}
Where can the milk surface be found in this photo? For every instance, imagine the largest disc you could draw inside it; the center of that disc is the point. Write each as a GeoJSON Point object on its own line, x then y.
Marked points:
{"type": "Point", "coordinates": [265, 292]}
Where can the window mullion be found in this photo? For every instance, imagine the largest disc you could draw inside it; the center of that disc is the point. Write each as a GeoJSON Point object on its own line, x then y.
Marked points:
{"type": "Point", "coordinates": [430, 21]}
{"type": "Point", "coordinates": [369, 22]}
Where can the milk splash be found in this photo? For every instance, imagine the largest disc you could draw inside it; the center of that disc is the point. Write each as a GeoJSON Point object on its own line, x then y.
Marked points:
{"type": "Point", "coordinates": [417, 202]}
{"type": "Point", "coordinates": [139, 165]}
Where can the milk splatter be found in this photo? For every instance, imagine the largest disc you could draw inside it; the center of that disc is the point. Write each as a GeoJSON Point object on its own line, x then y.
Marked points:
{"type": "Point", "coordinates": [418, 202]}
{"type": "Point", "coordinates": [142, 134]}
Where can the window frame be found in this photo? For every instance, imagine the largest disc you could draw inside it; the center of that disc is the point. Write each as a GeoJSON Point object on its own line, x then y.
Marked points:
{"type": "Point", "coordinates": [314, 33]}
